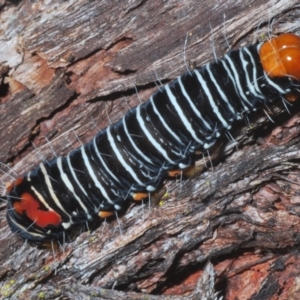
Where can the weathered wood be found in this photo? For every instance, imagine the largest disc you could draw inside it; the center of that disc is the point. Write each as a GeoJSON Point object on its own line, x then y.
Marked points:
{"type": "Point", "coordinates": [73, 69]}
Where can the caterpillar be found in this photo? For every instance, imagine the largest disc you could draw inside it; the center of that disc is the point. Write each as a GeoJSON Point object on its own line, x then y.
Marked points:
{"type": "Point", "coordinates": [132, 157]}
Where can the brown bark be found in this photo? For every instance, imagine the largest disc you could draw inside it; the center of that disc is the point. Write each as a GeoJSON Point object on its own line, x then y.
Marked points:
{"type": "Point", "coordinates": [69, 68]}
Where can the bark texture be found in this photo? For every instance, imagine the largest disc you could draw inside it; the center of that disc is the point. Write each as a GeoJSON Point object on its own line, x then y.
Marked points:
{"type": "Point", "coordinates": [68, 69]}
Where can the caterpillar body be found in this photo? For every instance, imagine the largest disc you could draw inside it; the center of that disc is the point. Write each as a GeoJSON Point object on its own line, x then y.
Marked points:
{"type": "Point", "coordinates": [132, 157]}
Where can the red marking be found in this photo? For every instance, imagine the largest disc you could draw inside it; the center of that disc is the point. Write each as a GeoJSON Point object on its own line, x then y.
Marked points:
{"type": "Point", "coordinates": [11, 185]}
{"type": "Point", "coordinates": [31, 207]}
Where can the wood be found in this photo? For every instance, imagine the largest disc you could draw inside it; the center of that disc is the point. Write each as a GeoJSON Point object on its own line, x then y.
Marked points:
{"type": "Point", "coordinates": [68, 69]}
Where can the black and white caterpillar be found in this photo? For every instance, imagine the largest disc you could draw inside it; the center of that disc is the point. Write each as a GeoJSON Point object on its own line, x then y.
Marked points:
{"type": "Point", "coordinates": [132, 157]}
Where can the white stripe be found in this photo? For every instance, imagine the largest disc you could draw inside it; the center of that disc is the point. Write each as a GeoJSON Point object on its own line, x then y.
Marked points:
{"type": "Point", "coordinates": [194, 108]}
{"type": "Point", "coordinates": [93, 176]}
{"type": "Point", "coordinates": [249, 83]}
{"type": "Point", "coordinates": [237, 80]}
{"type": "Point", "coordinates": [103, 162]}
{"type": "Point", "coordinates": [210, 99]}
{"type": "Point", "coordinates": [255, 79]}
{"type": "Point", "coordinates": [75, 176]}
{"type": "Point", "coordinates": [66, 225]}
{"type": "Point", "coordinates": [133, 143]}
{"type": "Point", "coordinates": [181, 115]}
{"type": "Point", "coordinates": [41, 198]}
{"type": "Point", "coordinates": [120, 157]}
{"type": "Point", "coordinates": [51, 191]}
{"type": "Point", "coordinates": [273, 84]}
{"type": "Point", "coordinates": [69, 185]}
{"type": "Point", "coordinates": [234, 84]}
{"type": "Point", "coordinates": [164, 123]}
{"type": "Point", "coordinates": [150, 137]}
{"type": "Point", "coordinates": [221, 93]}
{"type": "Point", "coordinates": [27, 230]}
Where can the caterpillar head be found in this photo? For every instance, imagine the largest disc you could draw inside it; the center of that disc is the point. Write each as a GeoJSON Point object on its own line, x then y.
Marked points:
{"type": "Point", "coordinates": [280, 56]}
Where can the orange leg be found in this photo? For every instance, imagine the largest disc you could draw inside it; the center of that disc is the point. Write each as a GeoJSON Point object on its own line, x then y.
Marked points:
{"type": "Point", "coordinates": [105, 214]}
{"type": "Point", "coordinates": [139, 196]}
{"type": "Point", "coordinates": [175, 173]}
{"type": "Point", "coordinates": [291, 97]}
{"type": "Point", "coordinates": [155, 197]}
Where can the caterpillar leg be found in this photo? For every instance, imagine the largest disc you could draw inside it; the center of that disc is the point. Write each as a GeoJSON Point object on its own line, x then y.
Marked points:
{"type": "Point", "coordinates": [201, 163]}
{"type": "Point", "coordinates": [155, 197]}
{"type": "Point", "coordinates": [105, 214]}
{"type": "Point", "coordinates": [292, 97]}
{"type": "Point", "coordinates": [139, 196]}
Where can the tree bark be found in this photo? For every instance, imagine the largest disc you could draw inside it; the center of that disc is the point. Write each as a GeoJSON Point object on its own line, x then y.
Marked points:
{"type": "Point", "coordinates": [69, 69]}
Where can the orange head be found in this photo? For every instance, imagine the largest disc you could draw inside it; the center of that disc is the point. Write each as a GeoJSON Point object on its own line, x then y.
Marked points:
{"type": "Point", "coordinates": [280, 56]}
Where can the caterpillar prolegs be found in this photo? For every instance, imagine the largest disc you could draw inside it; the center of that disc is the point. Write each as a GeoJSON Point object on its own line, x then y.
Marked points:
{"type": "Point", "coordinates": [131, 158]}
